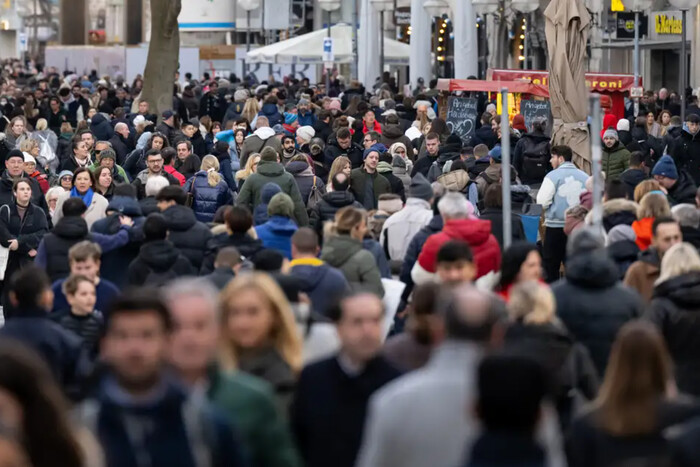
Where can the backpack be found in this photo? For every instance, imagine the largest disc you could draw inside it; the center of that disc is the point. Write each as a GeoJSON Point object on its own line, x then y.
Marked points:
{"type": "Point", "coordinates": [436, 171]}
{"type": "Point", "coordinates": [315, 196]}
{"type": "Point", "coordinates": [536, 161]}
{"type": "Point", "coordinates": [160, 278]}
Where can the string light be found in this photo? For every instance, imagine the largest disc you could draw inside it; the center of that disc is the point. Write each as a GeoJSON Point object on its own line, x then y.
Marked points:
{"type": "Point", "coordinates": [439, 49]}
{"type": "Point", "coordinates": [440, 39]}
{"type": "Point", "coordinates": [521, 58]}
{"type": "Point", "coordinates": [522, 36]}
{"type": "Point", "coordinates": [442, 31]}
{"type": "Point", "coordinates": [521, 47]}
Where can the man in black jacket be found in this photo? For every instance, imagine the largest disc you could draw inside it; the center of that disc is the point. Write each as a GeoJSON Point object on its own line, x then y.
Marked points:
{"type": "Point", "coordinates": [332, 202]}
{"type": "Point", "coordinates": [121, 142]}
{"type": "Point", "coordinates": [686, 150]}
{"type": "Point", "coordinates": [531, 155]}
{"type": "Point", "coordinates": [681, 188]}
{"type": "Point", "coordinates": [14, 170]}
{"type": "Point", "coordinates": [342, 145]}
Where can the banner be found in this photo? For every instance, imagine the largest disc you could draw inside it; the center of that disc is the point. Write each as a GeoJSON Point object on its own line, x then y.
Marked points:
{"type": "Point", "coordinates": [598, 82]}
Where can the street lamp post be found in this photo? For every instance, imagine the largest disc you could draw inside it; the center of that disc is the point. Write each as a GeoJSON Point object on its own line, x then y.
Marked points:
{"type": "Point", "coordinates": [637, 6]}
{"type": "Point", "coordinates": [526, 7]}
{"type": "Point", "coordinates": [684, 6]}
{"type": "Point", "coordinates": [248, 6]}
{"type": "Point", "coordinates": [436, 8]}
{"type": "Point", "coordinates": [381, 6]}
{"type": "Point", "coordinates": [329, 6]}
{"type": "Point", "coordinates": [485, 8]}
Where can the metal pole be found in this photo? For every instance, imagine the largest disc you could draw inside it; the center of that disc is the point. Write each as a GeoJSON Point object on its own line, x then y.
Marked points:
{"type": "Point", "coordinates": [596, 152]}
{"type": "Point", "coordinates": [437, 44]}
{"type": "Point", "coordinates": [354, 40]}
{"type": "Point", "coordinates": [636, 60]}
{"type": "Point", "coordinates": [381, 44]}
{"type": "Point", "coordinates": [328, 70]}
{"type": "Point", "coordinates": [505, 169]}
{"type": "Point", "coordinates": [684, 61]}
{"type": "Point", "coordinates": [525, 41]}
{"type": "Point", "coordinates": [35, 52]}
{"type": "Point", "coordinates": [247, 45]}
{"type": "Point", "coordinates": [484, 46]}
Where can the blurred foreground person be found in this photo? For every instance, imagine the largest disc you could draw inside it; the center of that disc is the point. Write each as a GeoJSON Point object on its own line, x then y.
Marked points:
{"type": "Point", "coordinates": [335, 392]}
{"type": "Point", "coordinates": [636, 403]}
{"type": "Point", "coordinates": [140, 415]}
{"type": "Point", "coordinates": [248, 402]}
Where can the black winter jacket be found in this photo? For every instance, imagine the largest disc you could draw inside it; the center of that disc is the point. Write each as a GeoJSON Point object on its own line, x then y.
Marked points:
{"type": "Point", "coordinates": [624, 253]}
{"type": "Point", "coordinates": [37, 199]}
{"type": "Point", "coordinates": [684, 190]}
{"type": "Point", "coordinates": [67, 232]}
{"type": "Point", "coordinates": [330, 204]}
{"type": "Point", "coordinates": [675, 309]}
{"type": "Point", "coordinates": [686, 154]}
{"type": "Point", "coordinates": [354, 153]}
{"type": "Point", "coordinates": [246, 245]}
{"type": "Point", "coordinates": [187, 234]}
{"type": "Point", "coordinates": [158, 261]}
{"type": "Point", "coordinates": [28, 231]}
{"type": "Point", "coordinates": [594, 305]}
{"type": "Point", "coordinates": [414, 248]}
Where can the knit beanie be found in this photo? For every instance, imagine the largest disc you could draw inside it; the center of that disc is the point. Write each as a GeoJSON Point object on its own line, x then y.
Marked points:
{"type": "Point", "coordinates": [281, 205]}
{"type": "Point", "coordinates": [623, 125]}
{"type": "Point", "coordinates": [495, 153]}
{"type": "Point", "coordinates": [306, 133]}
{"type": "Point", "coordinates": [15, 153]}
{"type": "Point", "coordinates": [611, 133]}
{"type": "Point", "coordinates": [268, 154]}
{"type": "Point", "coordinates": [420, 188]}
{"type": "Point", "coordinates": [584, 240]}
{"type": "Point", "coordinates": [29, 158]}
{"type": "Point", "coordinates": [108, 154]}
{"type": "Point", "coordinates": [334, 104]}
{"type": "Point", "coordinates": [621, 233]}
{"type": "Point", "coordinates": [290, 118]}
{"type": "Point", "coordinates": [665, 167]}
{"type": "Point", "coordinates": [378, 148]}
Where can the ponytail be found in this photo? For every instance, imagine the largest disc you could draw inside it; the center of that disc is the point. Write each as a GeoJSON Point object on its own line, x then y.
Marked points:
{"type": "Point", "coordinates": [211, 165]}
{"type": "Point", "coordinates": [213, 177]}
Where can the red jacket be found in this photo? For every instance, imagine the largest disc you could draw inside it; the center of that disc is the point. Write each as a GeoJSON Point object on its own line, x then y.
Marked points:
{"type": "Point", "coordinates": [41, 179]}
{"type": "Point", "coordinates": [477, 233]}
{"type": "Point", "coordinates": [172, 171]}
{"type": "Point", "coordinates": [377, 128]}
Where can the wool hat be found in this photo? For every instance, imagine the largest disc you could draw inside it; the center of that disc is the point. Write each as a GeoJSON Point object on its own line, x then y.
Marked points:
{"type": "Point", "coordinates": [240, 95]}
{"type": "Point", "coordinates": [623, 125]}
{"type": "Point", "coordinates": [306, 133]}
{"type": "Point", "coordinates": [108, 154]}
{"type": "Point", "coordinates": [398, 161]}
{"type": "Point", "coordinates": [491, 108]}
{"type": "Point", "coordinates": [519, 123]}
{"type": "Point", "coordinates": [268, 154]}
{"type": "Point", "coordinates": [281, 205]}
{"type": "Point", "coordinates": [29, 158]}
{"type": "Point", "coordinates": [269, 190]}
{"type": "Point", "coordinates": [65, 173]}
{"type": "Point", "coordinates": [334, 105]}
{"type": "Point", "coordinates": [620, 233]}
{"type": "Point", "coordinates": [290, 118]}
{"type": "Point", "coordinates": [378, 148]}
{"type": "Point", "coordinates": [279, 129]}
{"type": "Point", "coordinates": [420, 188]}
{"type": "Point", "coordinates": [481, 151]}
{"type": "Point", "coordinates": [665, 167]}
{"type": "Point", "coordinates": [303, 102]}
{"type": "Point", "coordinates": [15, 153]}
{"type": "Point", "coordinates": [611, 133]}
{"type": "Point", "coordinates": [495, 153]}
{"type": "Point", "coordinates": [584, 240]}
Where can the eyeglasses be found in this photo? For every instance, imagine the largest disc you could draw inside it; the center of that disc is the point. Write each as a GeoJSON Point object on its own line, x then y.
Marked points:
{"type": "Point", "coordinates": [154, 161]}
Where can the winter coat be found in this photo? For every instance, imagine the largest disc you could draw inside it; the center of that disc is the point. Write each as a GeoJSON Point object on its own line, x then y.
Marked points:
{"type": "Point", "coordinates": [642, 274]}
{"type": "Point", "coordinates": [101, 128]}
{"type": "Point", "coordinates": [323, 130]}
{"type": "Point", "coordinates": [187, 234]}
{"type": "Point", "coordinates": [491, 175]}
{"type": "Point", "coordinates": [484, 135]}
{"type": "Point", "coordinates": [423, 165]}
{"type": "Point", "coordinates": [260, 214]}
{"type": "Point", "coordinates": [213, 105]}
{"type": "Point", "coordinates": [615, 160]}
{"type": "Point", "coordinates": [495, 215]}
{"type": "Point", "coordinates": [333, 151]}
{"type": "Point", "coordinates": [674, 309]}
{"type": "Point", "coordinates": [206, 199]}
{"type": "Point", "coordinates": [28, 231]}
{"type": "Point", "coordinates": [95, 212]}
{"type": "Point", "coordinates": [624, 253]}
{"type": "Point", "coordinates": [386, 170]}
{"type": "Point", "coordinates": [122, 147]}
{"type": "Point", "coordinates": [171, 133]}
{"type": "Point", "coordinates": [594, 305]}
{"type": "Point", "coordinates": [329, 205]}
{"type": "Point", "coordinates": [268, 365]}
{"type": "Point", "coordinates": [276, 234]}
{"type": "Point", "coordinates": [220, 277]}
{"type": "Point", "coordinates": [157, 263]}
{"type": "Point", "coordinates": [273, 172]}
{"type": "Point", "coordinates": [7, 195]}
{"type": "Point", "coordinates": [373, 246]}
{"type": "Point", "coordinates": [89, 327]}
{"type": "Point", "coordinates": [358, 181]}
{"type": "Point", "coordinates": [400, 228]}
{"type": "Point", "coordinates": [531, 143]}
{"type": "Point", "coordinates": [261, 138]}
{"type": "Point", "coordinates": [273, 116]}
{"type": "Point", "coordinates": [199, 146]}
{"type": "Point", "coordinates": [401, 171]}
{"type": "Point", "coordinates": [477, 233]}
{"type": "Point", "coordinates": [618, 212]}
{"type": "Point", "coordinates": [631, 178]}
{"type": "Point", "coordinates": [189, 166]}
{"type": "Point", "coordinates": [140, 182]}
{"type": "Point", "coordinates": [304, 176]}
{"type": "Point", "coordinates": [246, 245]}
{"type": "Point", "coordinates": [686, 154]}
{"type": "Point", "coordinates": [322, 283]}
{"type": "Point", "coordinates": [394, 134]}
{"type": "Point", "coordinates": [643, 229]}
{"type": "Point", "coordinates": [226, 170]}
{"type": "Point", "coordinates": [691, 235]}
{"type": "Point", "coordinates": [358, 265]}
{"type": "Point", "coordinates": [683, 191]}
{"type": "Point", "coordinates": [414, 248]}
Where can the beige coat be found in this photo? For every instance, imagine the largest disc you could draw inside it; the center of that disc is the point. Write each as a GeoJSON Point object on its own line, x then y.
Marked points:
{"type": "Point", "coordinates": [94, 213]}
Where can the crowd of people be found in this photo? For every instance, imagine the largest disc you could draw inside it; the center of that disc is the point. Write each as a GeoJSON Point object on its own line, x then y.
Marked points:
{"type": "Point", "coordinates": [275, 275]}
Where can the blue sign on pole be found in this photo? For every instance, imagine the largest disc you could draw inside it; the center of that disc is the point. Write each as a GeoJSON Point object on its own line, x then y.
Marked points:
{"type": "Point", "coordinates": [328, 49]}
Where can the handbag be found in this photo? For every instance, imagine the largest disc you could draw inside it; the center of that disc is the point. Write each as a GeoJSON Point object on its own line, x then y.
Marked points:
{"type": "Point", "coordinates": [314, 196]}
{"type": "Point", "coordinates": [4, 251]}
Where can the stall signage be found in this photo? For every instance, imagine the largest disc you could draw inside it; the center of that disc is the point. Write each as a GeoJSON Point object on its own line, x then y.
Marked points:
{"type": "Point", "coordinates": [461, 117]}
{"type": "Point", "coordinates": [599, 82]}
{"type": "Point", "coordinates": [668, 25]}
{"type": "Point", "coordinates": [532, 110]}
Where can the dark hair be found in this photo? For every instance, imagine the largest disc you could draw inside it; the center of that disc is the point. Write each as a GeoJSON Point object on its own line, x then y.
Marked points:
{"type": "Point", "coordinates": [342, 133]}
{"type": "Point", "coordinates": [80, 170]}
{"type": "Point", "coordinates": [432, 135]}
{"type": "Point", "coordinates": [21, 180]}
{"type": "Point", "coordinates": [168, 155]}
{"type": "Point", "coordinates": [486, 118]}
{"type": "Point", "coordinates": [74, 207]}
{"type": "Point", "coordinates": [324, 114]}
{"type": "Point", "coordinates": [124, 189]}
{"type": "Point", "coordinates": [615, 189]}
{"type": "Point", "coordinates": [186, 142]}
{"type": "Point", "coordinates": [339, 185]}
{"type": "Point", "coordinates": [239, 219]}
{"type": "Point", "coordinates": [268, 260]}
{"type": "Point", "coordinates": [511, 389]}
{"type": "Point", "coordinates": [70, 285]}
{"type": "Point", "coordinates": [392, 119]}
{"type": "Point", "coordinates": [335, 311]}
{"type": "Point", "coordinates": [636, 159]}
{"type": "Point", "coordinates": [305, 240]}
{"type": "Point", "coordinates": [493, 198]}
{"type": "Point", "coordinates": [172, 193]}
{"type": "Point", "coordinates": [74, 143]}
{"type": "Point", "coordinates": [563, 151]}
{"type": "Point", "coordinates": [155, 227]}
{"type": "Point", "coordinates": [160, 135]}
{"type": "Point", "coordinates": [513, 258]}
{"type": "Point", "coordinates": [453, 251]}
{"type": "Point", "coordinates": [439, 126]}
{"type": "Point", "coordinates": [139, 301]}
{"type": "Point", "coordinates": [424, 304]}
{"type": "Point", "coordinates": [374, 136]}
{"type": "Point", "coordinates": [228, 256]}
{"type": "Point", "coordinates": [153, 152]}
{"type": "Point", "coordinates": [662, 220]}
{"type": "Point", "coordinates": [27, 285]}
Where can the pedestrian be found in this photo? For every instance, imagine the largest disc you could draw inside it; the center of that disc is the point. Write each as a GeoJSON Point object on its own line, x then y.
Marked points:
{"type": "Point", "coordinates": [154, 160]}
{"type": "Point", "coordinates": [208, 190]}
{"type": "Point", "coordinates": [680, 186]}
{"type": "Point", "coordinates": [84, 186]}
{"type": "Point", "coordinates": [365, 182]}
{"type": "Point", "coordinates": [635, 174]}
{"type": "Point", "coordinates": [262, 137]}
{"type": "Point", "coordinates": [493, 212]}
{"type": "Point", "coordinates": [622, 248]}
{"type": "Point", "coordinates": [239, 223]}
{"type": "Point", "coordinates": [186, 162]}
{"type": "Point", "coordinates": [686, 149]}
{"type": "Point", "coordinates": [14, 171]}
{"type": "Point", "coordinates": [32, 172]}
{"type": "Point", "coordinates": [651, 207]}
{"type": "Point", "coordinates": [305, 178]}
{"type": "Point", "coordinates": [81, 317]}
{"type": "Point", "coordinates": [277, 232]}
{"type": "Point", "coordinates": [532, 153]}
{"type": "Point", "coordinates": [332, 201]}
{"type": "Point", "coordinates": [521, 263]}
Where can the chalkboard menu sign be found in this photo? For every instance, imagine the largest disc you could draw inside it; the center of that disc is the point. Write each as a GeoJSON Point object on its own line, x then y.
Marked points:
{"type": "Point", "coordinates": [534, 110]}
{"type": "Point", "coordinates": [461, 117]}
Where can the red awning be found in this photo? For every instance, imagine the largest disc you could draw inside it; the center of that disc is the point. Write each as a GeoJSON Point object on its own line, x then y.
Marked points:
{"type": "Point", "coordinates": [596, 82]}
{"type": "Point", "coordinates": [492, 86]}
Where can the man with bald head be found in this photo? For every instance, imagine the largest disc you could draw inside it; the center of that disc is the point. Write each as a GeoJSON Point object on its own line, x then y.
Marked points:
{"type": "Point", "coordinates": [122, 142]}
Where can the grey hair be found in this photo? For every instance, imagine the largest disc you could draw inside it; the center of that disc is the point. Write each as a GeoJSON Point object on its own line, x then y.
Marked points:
{"type": "Point", "coordinates": [453, 206]}
{"type": "Point", "coordinates": [438, 189]}
{"type": "Point", "coordinates": [155, 184]}
{"type": "Point", "coordinates": [193, 287]}
{"type": "Point", "coordinates": [687, 215]}
{"type": "Point", "coordinates": [109, 145]}
{"type": "Point", "coordinates": [121, 125]}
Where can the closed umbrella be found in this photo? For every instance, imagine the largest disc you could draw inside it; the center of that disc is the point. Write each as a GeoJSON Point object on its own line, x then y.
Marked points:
{"type": "Point", "coordinates": [567, 25]}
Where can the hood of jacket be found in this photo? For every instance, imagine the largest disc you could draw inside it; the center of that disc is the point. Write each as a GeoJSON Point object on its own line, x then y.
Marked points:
{"type": "Point", "coordinates": [392, 131]}
{"type": "Point", "coordinates": [651, 257]}
{"type": "Point", "coordinates": [270, 169]}
{"type": "Point", "coordinates": [339, 248]}
{"type": "Point", "coordinates": [159, 255]}
{"type": "Point", "coordinates": [618, 205]}
{"type": "Point", "coordinates": [594, 270]}
{"type": "Point", "coordinates": [71, 228]}
{"type": "Point", "coordinates": [125, 205]}
{"type": "Point", "coordinates": [339, 199]}
{"type": "Point", "coordinates": [536, 137]}
{"type": "Point", "coordinates": [268, 191]}
{"type": "Point", "coordinates": [683, 290]}
{"type": "Point", "coordinates": [492, 174]}
{"type": "Point", "coordinates": [473, 231]}
{"type": "Point", "coordinates": [281, 225]}
{"type": "Point", "coordinates": [269, 110]}
{"type": "Point", "coordinates": [264, 133]}
{"type": "Point", "coordinates": [617, 147]}
{"type": "Point", "coordinates": [311, 275]}
{"type": "Point", "coordinates": [299, 169]}
{"type": "Point", "coordinates": [384, 167]}
{"type": "Point", "coordinates": [623, 250]}
{"type": "Point", "coordinates": [179, 218]}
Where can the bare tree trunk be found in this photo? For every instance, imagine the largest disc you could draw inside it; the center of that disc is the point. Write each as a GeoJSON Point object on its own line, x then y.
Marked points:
{"type": "Point", "coordinates": [163, 53]}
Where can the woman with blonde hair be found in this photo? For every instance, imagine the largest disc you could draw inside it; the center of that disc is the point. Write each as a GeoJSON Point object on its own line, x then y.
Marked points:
{"type": "Point", "coordinates": [644, 187]}
{"type": "Point", "coordinates": [208, 190]}
{"type": "Point", "coordinates": [251, 166]}
{"type": "Point", "coordinates": [250, 110]}
{"type": "Point", "coordinates": [675, 309]}
{"type": "Point", "coordinates": [653, 205]}
{"type": "Point", "coordinates": [340, 164]}
{"type": "Point", "coordinates": [637, 402]}
{"type": "Point", "coordinates": [259, 333]}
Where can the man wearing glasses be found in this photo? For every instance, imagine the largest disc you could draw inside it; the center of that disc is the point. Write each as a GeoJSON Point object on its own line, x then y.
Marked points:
{"type": "Point", "coordinates": [371, 139]}
{"type": "Point", "coordinates": [154, 168]}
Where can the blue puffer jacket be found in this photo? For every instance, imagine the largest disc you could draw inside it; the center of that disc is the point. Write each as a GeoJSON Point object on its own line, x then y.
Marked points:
{"type": "Point", "coordinates": [207, 199]}
{"type": "Point", "coordinates": [270, 111]}
{"type": "Point", "coordinates": [276, 234]}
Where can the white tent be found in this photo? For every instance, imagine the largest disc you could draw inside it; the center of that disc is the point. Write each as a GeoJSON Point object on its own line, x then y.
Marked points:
{"type": "Point", "coordinates": [308, 48]}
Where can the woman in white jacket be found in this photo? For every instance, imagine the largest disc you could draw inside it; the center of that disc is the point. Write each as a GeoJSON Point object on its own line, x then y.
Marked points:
{"type": "Point", "coordinates": [83, 187]}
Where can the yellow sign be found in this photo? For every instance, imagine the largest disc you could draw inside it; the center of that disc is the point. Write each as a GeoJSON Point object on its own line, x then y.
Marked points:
{"type": "Point", "coordinates": [617, 5]}
{"type": "Point", "coordinates": [665, 24]}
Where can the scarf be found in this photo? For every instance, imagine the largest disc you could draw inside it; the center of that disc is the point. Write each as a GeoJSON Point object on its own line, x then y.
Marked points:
{"type": "Point", "coordinates": [87, 197]}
